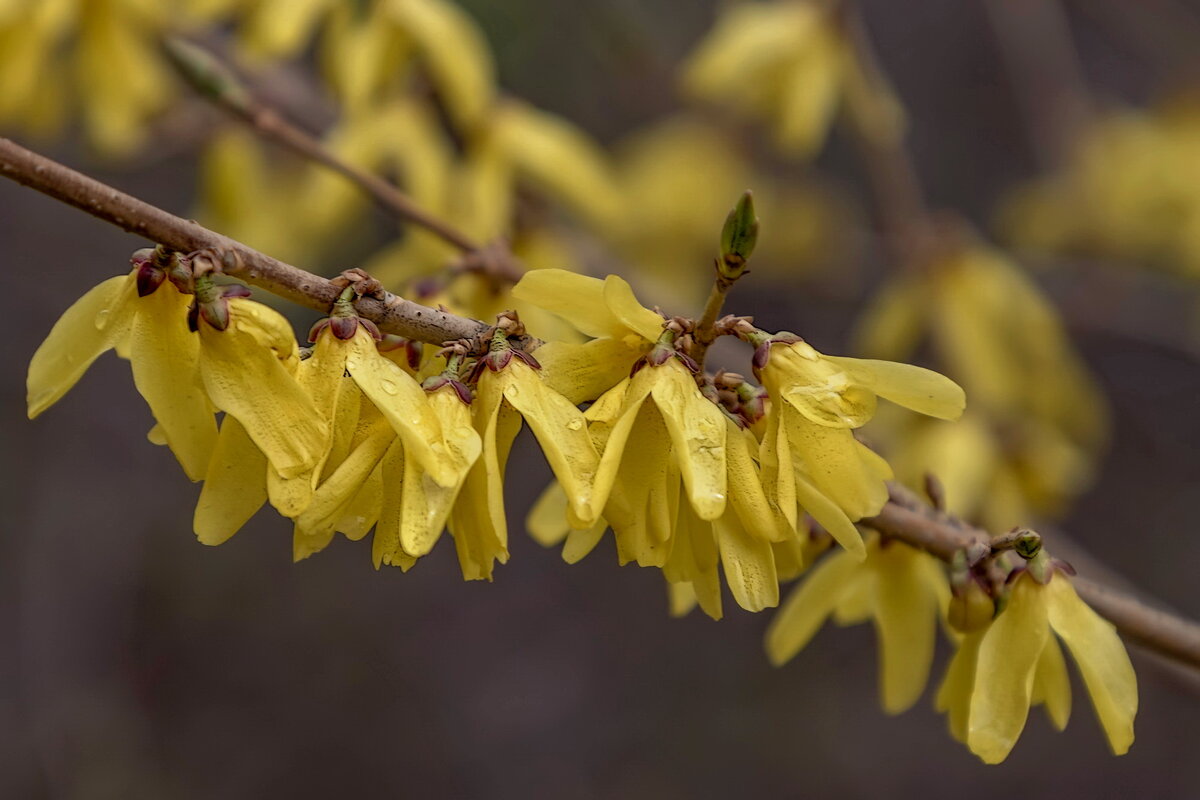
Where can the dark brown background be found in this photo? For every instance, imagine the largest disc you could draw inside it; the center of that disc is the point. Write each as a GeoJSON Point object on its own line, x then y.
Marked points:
{"type": "Point", "coordinates": [137, 663]}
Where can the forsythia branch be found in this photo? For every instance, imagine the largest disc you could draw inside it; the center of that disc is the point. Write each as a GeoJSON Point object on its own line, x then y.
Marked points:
{"type": "Point", "coordinates": [908, 518]}
{"type": "Point", "coordinates": [391, 313]}
{"type": "Point", "coordinates": [904, 517]}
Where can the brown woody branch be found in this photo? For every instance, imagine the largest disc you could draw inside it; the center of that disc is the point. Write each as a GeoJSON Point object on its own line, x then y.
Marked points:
{"type": "Point", "coordinates": [391, 313]}
{"type": "Point", "coordinates": [905, 516]}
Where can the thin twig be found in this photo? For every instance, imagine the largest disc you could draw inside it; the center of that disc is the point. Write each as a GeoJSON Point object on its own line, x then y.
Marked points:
{"type": "Point", "coordinates": [391, 313]}
{"type": "Point", "coordinates": [899, 203]}
{"type": "Point", "coordinates": [1045, 72]}
{"type": "Point", "coordinates": [905, 517]}
{"type": "Point", "coordinates": [216, 82]}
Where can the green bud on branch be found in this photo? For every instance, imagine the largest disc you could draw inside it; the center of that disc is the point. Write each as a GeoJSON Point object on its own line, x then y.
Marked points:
{"type": "Point", "coordinates": [738, 237]}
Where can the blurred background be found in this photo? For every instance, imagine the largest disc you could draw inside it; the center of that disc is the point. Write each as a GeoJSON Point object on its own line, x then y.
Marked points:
{"type": "Point", "coordinates": [138, 663]}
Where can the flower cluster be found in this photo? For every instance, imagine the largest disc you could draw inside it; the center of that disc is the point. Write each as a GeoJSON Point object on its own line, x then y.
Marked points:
{"type": "Point", "coordinates": [699, 475]}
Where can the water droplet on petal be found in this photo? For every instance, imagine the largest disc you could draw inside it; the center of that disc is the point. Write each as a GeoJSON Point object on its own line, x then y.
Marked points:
{"type": "Point", "coordinates": [386, 385]}
{"type": "Point", "coordinates": [575, 424]}
{"type": "Point", "coordinates": [102, 318]}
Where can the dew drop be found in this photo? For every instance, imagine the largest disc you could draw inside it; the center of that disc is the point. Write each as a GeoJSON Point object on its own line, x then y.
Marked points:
{"type": "Point", "coordinates": [386, 385]}
{"type": "Point", "coordinates": [102, 318]}
{"type": "Point", "coordinates": [575, 424]}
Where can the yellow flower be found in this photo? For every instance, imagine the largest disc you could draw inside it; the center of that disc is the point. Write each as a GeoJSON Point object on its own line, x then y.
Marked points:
{"type": "Point", "coordinates": [622, 330]}
{"type": "Point", "coordinates": [1031, 395]}
{"type": "Point", "coordinates": [100, 55]}
{"type": "Point", "coordinates": [1015, 662]}
{"type": "Point", "coordinates": [788, 63]}
{"type": "Point", "coordinates": [248, 360]}
{"type": "Point", "coordinates": [809, 454]}
{"type": "Point", "coordinates": [510, 388]}
{"type": "Point", "coordinates": [901, 590]}
{"type": "Point", "coordinates": [143, 316]}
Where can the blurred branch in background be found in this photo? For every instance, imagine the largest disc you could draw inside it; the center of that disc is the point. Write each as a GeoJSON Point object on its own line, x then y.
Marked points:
{"type": "Point", "coordinates": [1045, 74]}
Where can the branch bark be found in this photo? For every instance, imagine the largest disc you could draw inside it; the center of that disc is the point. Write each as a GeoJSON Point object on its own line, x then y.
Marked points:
{"type": "Point", "coordinates": [905, 516]}
{"type": "Point", "coordinates": [391, 313]}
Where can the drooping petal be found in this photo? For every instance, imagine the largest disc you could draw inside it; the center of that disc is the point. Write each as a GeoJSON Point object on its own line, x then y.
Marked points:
{"type": "Point", "coordinates": [805, 610]}
{"type": "Point", "coordinates": [582, 541]}
{"type": "Point", "coordinates": [164, 357]}
{"type": "Point", "coordinates": [244, 377]}
{"type": "Point", "coordinates": [583, 372]}
{"type": "Point", "coordinates": [235, 485]}
{"type": "Point", "coordinates": [906, 621]}
{"type": "Point", "coordinates": [749, 565]}
{"type": "Point", "coordinates": [697, 429]}
{"type": "Point", "coordinates": [744, 483]}
{"type": "Point", "coordinates": [562, 432]}
{"type": "Point", "coordinates": [624, 305]}
{"type": "Point", "coordinates": [643, 471]}
{"type": "Point", "coordinates": [1052, 686]}
{"type": "Point", "coordinates": [954, 693]}
{"type": "Point", "coordinates": [578, 299]}
{"type": "Point", "coordinates": [830, 517]}
{"type": "Point", "coordinates": [1097, 649]}
{"type": "Point", "coordinates": [403, 403]}
{"type": "Point", "coordinates": [922, 390]}
{"type": "Point", "coordinates": [1004, 673]}
{"type": "Point", "coordinates": [94, 324]}
{"type": "Point", "coordinates": [547, 520]}
{"type": "Point", "coordinates": [337, 491]}
{"type": "Point", "coordinates": [837, 465]}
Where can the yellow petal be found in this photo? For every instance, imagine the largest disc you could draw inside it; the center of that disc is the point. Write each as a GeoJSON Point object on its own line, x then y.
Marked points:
{"type": "Point", "coordinates": [906, 615]}
{"type": "Point", "coordinates": [583, 372]}
{"type": "Point", "coordinates": [562, 432]}
{"type": "Point", "coordinates": [330, 500]}
{"type": "Point", "coordinates": [578, 299]}
{"type": "Point", "coordinates": [95, 323]}
{"type": "Point", "coordinates": [922, 390]}
{"type": "Point", "coordinates": [624, 305]}
{"type": "Point", "coordinates": [385, 546]}
{"type": "Point", "coordinates": [1097, 649]}
{"type": "Point", "coordinates": [424, 508]}
{"type": "Point", "coordinates": [749, 565]}
{"type": "Point", "coordinates": [455, 52]}
{"type": "Point", "coordinates": [164, 357]}
{"type": "Point", "coordinates": [697, 429]}
{"type": "Point", "coordinates": [612, 418]}
{"type": "Point", "coordinates": [582, 541]}
{"type": "Point", "coordinates": [289, 496]}
{"type": "Point", "coordinates": [856, 604]}
{"type": "Point", "coordinates": [547, 520]}
{"type": "Point", "coordinates": [805, 610]}
{"type": "Point", "coordinates": [954, 693]}
{"type": "Point", "coordinates": [808, 96]}
{"type": "Point", "coordinates": [235, 485]}
{"type": "Point", "coordinates": [244, 377]}
{"type": "Point", "coordinates": [403, 403]}
{"type": "Point", "coordinates": [836, 464]}
{"type": "Point", "coordinates": [746, 494]}
{"type": "Point", "coordinates": [643, 471]}
{"type": "Point", "coordinates": [1052, 686]}
{"type": "Point", "coordinates": [361, 513]}
{"type": "Point", "coordinates": [559, 160]}
{"type": "Point", "coordinates": [1004, 673]}
{"type": "Point", "coordinates": [282, 27]}
{"type": "Point", "coordinates": [830, 517]}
